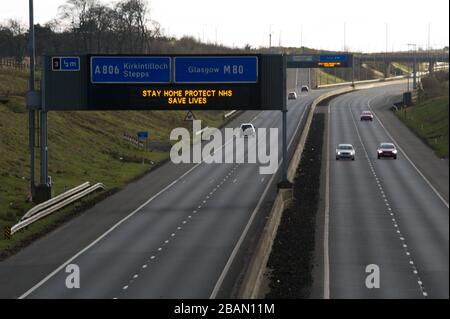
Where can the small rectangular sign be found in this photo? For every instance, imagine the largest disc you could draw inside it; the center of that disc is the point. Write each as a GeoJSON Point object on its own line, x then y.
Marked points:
{"type": "Point", "coordinates": [302, 58]}
{"type": "Point", "coordinates": [66, 63]}
{"type": "Point", "coordinates": [333, 58]}
{"type": "Point", "coordinates": [128, 69]}
{"type": "Point", "coordinates": [216, 69]}
{"type": "Point", "coordinates": [142, 134]}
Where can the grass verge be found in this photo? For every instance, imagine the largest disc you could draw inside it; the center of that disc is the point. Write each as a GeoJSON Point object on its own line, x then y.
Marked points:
{"type": "Point", "coordinates": [429, 120]}
{"type": "Point", "coordinates": [82, 146]}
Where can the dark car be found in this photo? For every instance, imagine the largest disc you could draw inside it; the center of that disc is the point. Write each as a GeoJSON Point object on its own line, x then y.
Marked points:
{"type": "Point", "coordinates": [387, 150]}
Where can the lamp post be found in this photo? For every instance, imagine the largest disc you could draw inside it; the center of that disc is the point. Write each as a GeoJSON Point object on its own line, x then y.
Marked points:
{"type": "Point", "coordinates": [414, 65]}
{"type": "Point", "coordinates": [31, 111]}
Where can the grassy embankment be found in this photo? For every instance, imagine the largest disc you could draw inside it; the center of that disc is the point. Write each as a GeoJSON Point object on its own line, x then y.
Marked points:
{"type": "Point", "coordinates": [83, 146]}
{"type": "Point", "coordinates": [429, 118]}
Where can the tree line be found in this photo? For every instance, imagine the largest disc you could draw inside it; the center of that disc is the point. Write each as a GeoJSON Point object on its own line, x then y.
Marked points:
{"type": "Point", "coordinates": [88, 26]}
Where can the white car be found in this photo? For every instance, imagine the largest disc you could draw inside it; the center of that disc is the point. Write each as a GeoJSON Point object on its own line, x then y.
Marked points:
{"type": "Point", "coordinates": [366, 116]}
{"type": "Point", "coordinates": [304, 88]}
{"type": "Point", "coordinates": [345, 151]}
{"type": "Point", "coordinates": [247, 130]}
{"type": "Point", "coordinates": [292, 96]}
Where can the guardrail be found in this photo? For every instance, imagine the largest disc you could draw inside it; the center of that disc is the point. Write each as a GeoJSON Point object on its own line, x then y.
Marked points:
{"type": "Point", "coordinates": [54, 200]}
{"type": "Point", "coordinates": [363, 82]}
{"type": "Point", "coordinates": [226, 115]}
{"type": "Point", "coordinates": [52, 205]}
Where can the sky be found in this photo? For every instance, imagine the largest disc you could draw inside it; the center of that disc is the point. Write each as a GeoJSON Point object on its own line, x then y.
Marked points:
{"type": "Point", "coordinates": [359, 25]}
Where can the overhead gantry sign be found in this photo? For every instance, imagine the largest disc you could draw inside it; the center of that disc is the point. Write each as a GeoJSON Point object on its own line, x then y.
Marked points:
{"type": "Point", "coordinates": [157, 82]}
{"type": "Point", "coordinates": [319, 61]}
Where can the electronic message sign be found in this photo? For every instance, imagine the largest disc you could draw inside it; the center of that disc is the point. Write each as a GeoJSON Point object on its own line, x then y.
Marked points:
{"type": "Point", "coordinates": [319, 61]}
{"type": "Point", "coordinates": [168, 82]}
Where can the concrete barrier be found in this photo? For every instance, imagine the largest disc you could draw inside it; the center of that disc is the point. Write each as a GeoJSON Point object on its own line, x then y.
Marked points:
{"type": "Point", "coordinates": [295, 160]}
{"type": "Point", "coordinates": [250, 287]}
{"type": "Point", "coordinates": [394, 78]}
{"type": "Point", "coordinates": [254, 275]}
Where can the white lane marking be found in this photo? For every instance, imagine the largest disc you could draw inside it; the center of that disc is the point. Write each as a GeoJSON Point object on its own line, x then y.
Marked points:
{"type": "Point", "coordinates": [247, 227]}
{"type": "Point", "coordinates": [135, 276]}
{"type": "Point", "coordinates": [326, 256]}
{"type": "Point", "coordinates": [406, 156]}
{"type": "Point", "coordinates": [62, 266]}
{"type": "Point", "coordinates": [421, 287]}
{"type": "Point", "coordinates": [125, 287]}
{"type": "Point", "coordinates": [144, 266]}
{"type": "Point", "coordinates": [152, 257]}
{"type": "Point", "coordinates": [106, 233]}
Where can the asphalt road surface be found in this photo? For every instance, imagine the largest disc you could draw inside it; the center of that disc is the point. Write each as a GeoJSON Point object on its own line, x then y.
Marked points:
{"type": "Point", "coordinates": [171, 239]}
{"type": "Point", "coordinates": [383, 212]}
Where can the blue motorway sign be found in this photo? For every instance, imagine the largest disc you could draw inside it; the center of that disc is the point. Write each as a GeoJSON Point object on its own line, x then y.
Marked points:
{"type": "Point", "coordinates": [66, 63]}
{"type": "Point", "coordinates": [136, 69]}
{"type": "Point", "coordinates": [333, 58]}
{"type": "Point", "coordinates": [142, 134]}
{"type": "Point", "coordinates": [319, 61]}
{"type": "Point", "coordinates": [216, 69]}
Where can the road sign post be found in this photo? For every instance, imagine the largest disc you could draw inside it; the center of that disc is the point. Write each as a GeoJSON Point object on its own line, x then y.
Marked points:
{"type": "Point", "coordinates": [189, 116]}
{"type": "Point", "coordinates": [284, 180]}
{"type": "Point", "coordinates": [31, 110]}
{"type": "Point", "coordinates": [7, 232]}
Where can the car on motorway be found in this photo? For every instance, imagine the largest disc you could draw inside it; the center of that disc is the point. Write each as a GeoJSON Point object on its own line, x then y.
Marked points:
{"type": "Point", "coordinates": [366, 116]}
{"type": "Point", "coordinates": [304, 88]}
{"type": "Point", "coordinates": [344, 151]}
{"type": "Point", "coordinates": [292, 96]}
{"type": "Point", "coordinates": [387, 150]}
{"type": "Point", "coordinates": [247, 130]}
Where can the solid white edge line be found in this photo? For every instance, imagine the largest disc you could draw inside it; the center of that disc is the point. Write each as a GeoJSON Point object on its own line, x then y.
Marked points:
{"type": "Point", "coordinates": [250, 221]}
{"type": "Point", "coordinates": [406, 156]}
{"type": "Point", "coordinates": [49, 276]}
{"type": "Point", "coordinates": [326, 256]}
{"type": "Point", "coordinates": [40, 283]}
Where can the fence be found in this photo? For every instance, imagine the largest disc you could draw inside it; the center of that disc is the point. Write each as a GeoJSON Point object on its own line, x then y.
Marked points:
{"type": "Point", "coordinates": [9, 63]}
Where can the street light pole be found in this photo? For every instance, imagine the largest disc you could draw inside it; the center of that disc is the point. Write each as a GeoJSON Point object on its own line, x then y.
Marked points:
{"type": "Point", "coordinates": [414, 65]}
{"type": "Point", "coordinates": [31, 111]}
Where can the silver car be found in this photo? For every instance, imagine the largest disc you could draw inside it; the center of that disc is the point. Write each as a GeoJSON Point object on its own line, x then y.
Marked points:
{"type": "Point", "coordinates": [247, 130]}
{"type": "Point", "coordinates": [345, 151]}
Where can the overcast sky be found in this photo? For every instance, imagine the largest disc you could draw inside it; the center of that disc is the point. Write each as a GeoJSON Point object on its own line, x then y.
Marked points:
{"type": "Point", "coordinates": [317, 24]}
